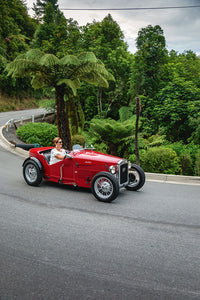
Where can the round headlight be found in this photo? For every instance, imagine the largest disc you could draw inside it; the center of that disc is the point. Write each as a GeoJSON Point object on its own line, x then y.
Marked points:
{"type": "Point", "coordinates": [112, 170]}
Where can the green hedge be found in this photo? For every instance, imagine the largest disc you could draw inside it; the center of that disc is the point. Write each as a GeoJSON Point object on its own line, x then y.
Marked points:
{"type": "Point", "coordinates": [160, 160]}
{"type": "Point", "coordinates": [39, 133]}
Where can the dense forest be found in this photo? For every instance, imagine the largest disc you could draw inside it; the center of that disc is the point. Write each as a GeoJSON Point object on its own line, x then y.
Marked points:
{"type": "Point", "coordinates": [143, 106]}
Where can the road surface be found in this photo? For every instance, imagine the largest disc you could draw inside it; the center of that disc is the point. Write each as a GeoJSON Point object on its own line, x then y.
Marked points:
{"type": "Point", "coordinates": [59, 242]}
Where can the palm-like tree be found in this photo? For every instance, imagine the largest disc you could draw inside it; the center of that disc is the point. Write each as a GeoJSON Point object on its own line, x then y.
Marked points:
{"type": "Point", "coordinates": [64, 74]}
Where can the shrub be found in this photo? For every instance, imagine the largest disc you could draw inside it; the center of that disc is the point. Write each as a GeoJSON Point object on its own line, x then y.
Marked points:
{"type": "Point", "coordinates": [160, 160]}
{"type": "Point", "coordinates": [186, 164]}
{"type": "Point", "coordinates": [187, 155]}
{"type": "Point", "coordinates": [197, 164]}
{"type": "Point", "coordinates": [39, 133]}
{"type": "Point", "coordinates": [156, 140]}
{"type": "Point", "coordinates": [78, 139]}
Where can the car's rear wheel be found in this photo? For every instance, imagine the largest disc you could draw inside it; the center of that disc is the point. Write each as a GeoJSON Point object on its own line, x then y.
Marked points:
{"type": "Point", "coordinates": [136, 178]}
{"type": "Point", "coordinates": [32, 173]}
{"type": "Point", "coordinates": [105, 187]}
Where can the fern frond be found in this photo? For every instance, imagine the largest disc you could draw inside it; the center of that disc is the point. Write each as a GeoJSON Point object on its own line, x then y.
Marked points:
{"type": "Point", "coordinates": [20, 67]}
{"type": "Point", "coordinates": [49, 60]}
{"type": "Point", "coordinates": [73, 84]}
{"type": "Point", "coordinates": [34, 55]}
{"type": "Point", "coordinates": [95, 68]}
{"type": "Point", "coordinates": [70, 60]}
{"type": "Point", "coordinates": [96, 79]}
{"type": "Point", "coordinates": [88, 57]}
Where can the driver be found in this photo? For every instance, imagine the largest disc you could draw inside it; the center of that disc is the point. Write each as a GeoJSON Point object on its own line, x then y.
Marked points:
{"type": "Point", "coordinates": [57, 153]}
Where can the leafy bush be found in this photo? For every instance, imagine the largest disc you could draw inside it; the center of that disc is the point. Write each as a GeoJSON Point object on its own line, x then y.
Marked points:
{"type": "Point", "coordinates": [39, 133]}
{"type": "Point", "coordinates": [197, 164]}
{"type": "Point", "coordinates": [160, 160]}
{"type": "Point", "coordinates": [187, 155]}
{"type": "Point", "coordinates": [156, 140]}
{"type": "Point", "coordinates": [78, 139]}
{"type": "Point", "coordinates": [186, 164]}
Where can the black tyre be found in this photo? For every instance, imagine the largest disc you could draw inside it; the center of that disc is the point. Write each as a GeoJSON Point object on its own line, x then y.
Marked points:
{"type": "Point", "coordinates": [32, 173]}
{"type": "Point", "coordinates": [136, 178]}
{"type": "Point", "coordinates": [105, 187]}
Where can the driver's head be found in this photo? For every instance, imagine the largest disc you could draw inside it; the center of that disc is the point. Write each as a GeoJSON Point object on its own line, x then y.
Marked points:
{"type": "Point", "coordinates": [56, 140]}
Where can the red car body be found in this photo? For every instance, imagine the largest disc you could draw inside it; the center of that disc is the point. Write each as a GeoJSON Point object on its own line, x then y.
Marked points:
{"type": "Point", "coordinates": [104, 174]}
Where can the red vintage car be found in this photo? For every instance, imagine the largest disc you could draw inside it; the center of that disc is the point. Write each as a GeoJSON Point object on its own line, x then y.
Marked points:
{"type": "Point", "coordinates": [103, 173]}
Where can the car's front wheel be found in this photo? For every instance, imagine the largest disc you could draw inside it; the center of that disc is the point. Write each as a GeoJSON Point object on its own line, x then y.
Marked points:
{"type": "Point", "coordinates": [105, 187]}
{"type": "Point", "coordinates": [136, 178]}
{"type": "Point", "coordinates": [32, 173]}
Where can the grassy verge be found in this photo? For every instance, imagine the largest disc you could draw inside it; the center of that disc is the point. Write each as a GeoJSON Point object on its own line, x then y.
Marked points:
{"type": "Point", "coordinates": [9, 104]}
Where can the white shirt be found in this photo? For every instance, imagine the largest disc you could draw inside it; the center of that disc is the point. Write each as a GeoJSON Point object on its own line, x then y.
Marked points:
{"type": "Point", "coordinates": [55, 152]}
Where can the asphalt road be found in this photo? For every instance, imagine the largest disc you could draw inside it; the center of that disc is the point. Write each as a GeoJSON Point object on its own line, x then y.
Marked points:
{"type": "Point", "coordinates": [59, 242]}
{"type": "Point", "coordinates": [6, 116]}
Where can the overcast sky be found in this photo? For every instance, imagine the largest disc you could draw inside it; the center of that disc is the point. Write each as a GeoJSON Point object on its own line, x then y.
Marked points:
{"type": "Point", "coordinates": [181, 26]}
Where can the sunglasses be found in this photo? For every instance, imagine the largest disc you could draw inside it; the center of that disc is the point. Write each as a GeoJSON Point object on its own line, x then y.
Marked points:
{"type": "Point", "coordinates": [60, 142]}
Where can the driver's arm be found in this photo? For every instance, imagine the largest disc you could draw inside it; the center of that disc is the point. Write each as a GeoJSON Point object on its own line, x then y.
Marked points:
{"type": "Point", "coordinates": [61, 157]}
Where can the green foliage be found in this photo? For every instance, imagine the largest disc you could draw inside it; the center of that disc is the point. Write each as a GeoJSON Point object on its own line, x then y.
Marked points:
{"type": "Point", "coordinates": [125, 113]}
{"type": "Point", "coordinates": [95, 140]}
{"type": "Point", "coordinates": [78, 139]}
{"type": "Point", "coordinates": [160, 160]}
{"type": "Point", "coordinates": [111, 130]}
{"type": "Point", "coordinates": [48, 70]}
{"type": "Point", "coordinates": [156, 141]}
{"type": "Point", "coordinates": [57, 35]}
{"type": "Point", "coordinates": [40, 133]}
{"type": "Point", "coordinates": [127, 148]}
{"type": "Point", "coordinates": [16, 31]}
{"type": "Point", "coordinates": [40, 6]}
{"type": "Point", "coordinates": [186, 164]}
{"type": "Point", "coordinates": [194, 123]}
{"type": "Point", "coordinates": [187, 155]}
{"type": "Point", "coordinates": [106, 40]}
{"type": "Point", "coordinates": [149, 59]}
{"type": "Point", "coordinates": [61, 71]}
{"type": "Point", "coordinates": [178, 101]}
{"type": "Point", "coordinates": [185, 65]}
{"type": "Point", "coordinates": [197, 164]}
{"type": "Point", "coordinates": [49, 104]}
{"type": "Point", "coordinates": [16, 28]}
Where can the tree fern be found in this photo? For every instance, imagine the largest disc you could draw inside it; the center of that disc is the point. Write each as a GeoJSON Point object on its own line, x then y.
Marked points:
{"type": "Point", "coordinates": [62, 74]}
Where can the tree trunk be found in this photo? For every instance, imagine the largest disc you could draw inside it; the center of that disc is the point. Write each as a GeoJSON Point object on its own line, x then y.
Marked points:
{"type": "Point", "coordinates": [62, 117]}
{"type": "Point", "coordinates": [138, 110]}
{"type": "Point", "coordinates": [113, 149]}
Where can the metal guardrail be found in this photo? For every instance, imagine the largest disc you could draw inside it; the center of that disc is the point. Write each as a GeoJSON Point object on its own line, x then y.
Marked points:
{"type": "Point", "coordinates": [12, 122]}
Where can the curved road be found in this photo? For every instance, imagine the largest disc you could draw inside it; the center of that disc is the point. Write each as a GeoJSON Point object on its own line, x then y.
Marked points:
{"type": "Point", "coordinates": [58, 242]}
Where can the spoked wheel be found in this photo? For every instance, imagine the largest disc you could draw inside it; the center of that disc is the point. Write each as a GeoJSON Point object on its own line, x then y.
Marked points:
{"type": "Point", "coordinates": [32, 173]}
{"type": "Point", "coordinates": [136, 178]}
{"type": "Point", "coordinates": [105, 187]}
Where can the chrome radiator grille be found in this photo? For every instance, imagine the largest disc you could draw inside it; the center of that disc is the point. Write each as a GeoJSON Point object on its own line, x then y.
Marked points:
{"type": "Point", "coordinates": [123, 173]}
